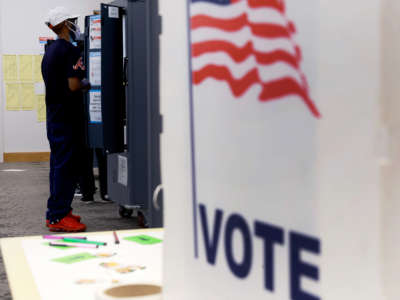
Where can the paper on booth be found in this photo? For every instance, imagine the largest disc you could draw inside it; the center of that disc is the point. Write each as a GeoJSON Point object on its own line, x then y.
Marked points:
{"type": "Point", "coordinates": [95, 68]}
{"type": "Point", "coordinates": [95, 106]}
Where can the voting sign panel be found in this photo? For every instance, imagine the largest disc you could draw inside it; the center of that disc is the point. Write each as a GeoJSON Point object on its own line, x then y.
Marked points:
{"type": "Point", "coordinates": [253, 135]}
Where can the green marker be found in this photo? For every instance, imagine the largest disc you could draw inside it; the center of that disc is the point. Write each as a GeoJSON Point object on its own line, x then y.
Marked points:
{"type": "Point", "coordinates": [83, 241]}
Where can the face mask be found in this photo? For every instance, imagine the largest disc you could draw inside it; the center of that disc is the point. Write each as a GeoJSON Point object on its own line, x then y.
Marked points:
{"type": "Point", "coordinates": [75, 32]}
{"type": "Point", "coordinates": [73, 42]}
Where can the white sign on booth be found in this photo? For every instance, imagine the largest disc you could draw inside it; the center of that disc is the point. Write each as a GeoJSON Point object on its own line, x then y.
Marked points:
{"type": "Point", "coordinates": [253, 135]}
{"type": "Point", "coordinates": [95, 32]}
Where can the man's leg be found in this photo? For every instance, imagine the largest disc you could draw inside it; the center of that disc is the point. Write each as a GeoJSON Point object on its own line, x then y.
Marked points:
{"type": "Point", "coordinates": [51, 183]}
{"type": "Point", "coordinates": [63, 180]}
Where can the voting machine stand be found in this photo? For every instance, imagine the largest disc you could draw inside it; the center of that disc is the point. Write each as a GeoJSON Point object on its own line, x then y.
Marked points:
{"type": "Point", "coordinates": [123, 110]}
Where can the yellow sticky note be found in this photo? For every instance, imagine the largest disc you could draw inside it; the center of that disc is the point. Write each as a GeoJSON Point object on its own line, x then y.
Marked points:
{"type": "Point", "coordinates": [41, 108]}
{"type": "Point", "coordinates": [10, 68]}
{"type": "Point", "coordinates": [27, 96]}
{"type": "Point", "coordinates": [26, 67]}
{"type": "Point", "coordinates": [13, 96]}
{"type": "Point", "coordinates": [37, 68]}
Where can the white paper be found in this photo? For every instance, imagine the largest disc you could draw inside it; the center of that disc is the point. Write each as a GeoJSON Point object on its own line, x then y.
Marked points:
{"type": "Point", "coordinates": [95, 106]}
{"type": "Point", "coordinates": [123, 170]}
{"type": "Point", "coordinates": [95, 68]}
{"type": "Point", "coordinates": [113, 12]}
{"type": "Point", "coordinates": [39, 257]}
{"type": "Point", "coordinates": [95, 32]}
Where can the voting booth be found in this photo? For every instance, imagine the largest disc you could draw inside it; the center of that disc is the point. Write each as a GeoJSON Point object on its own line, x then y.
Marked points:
{"type": "Point", "coordinates": [122, 59]}
{"type": "Point", "coordinates": [270, 151]}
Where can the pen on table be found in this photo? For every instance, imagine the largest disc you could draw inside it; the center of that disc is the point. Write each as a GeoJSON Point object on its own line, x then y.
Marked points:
{"type": "Point", "coordinates": [116, 237]}
{"type": "Point", "coordinates": [56, 237]}
{"type": "Point", "coordinates": [71, 240]}
{"type": "Point", "coordinates": [76, 245]}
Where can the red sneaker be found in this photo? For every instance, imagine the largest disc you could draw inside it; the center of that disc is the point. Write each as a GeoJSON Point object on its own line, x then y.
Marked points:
{"type": "Point", "coordinates": [76, 217]}
{"type": "Point", "coordinates": [67, 224]}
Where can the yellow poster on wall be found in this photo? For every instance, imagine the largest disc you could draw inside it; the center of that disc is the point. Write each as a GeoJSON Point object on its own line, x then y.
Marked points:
{"type": "Point", "coordinates": [27, 96]}
{"type": "Point", "coordinates": [10, 70]}
{"type": "Point", "coordinates": [13, 96]}
{"type": "Point", "coordinates": [26, 67]}
{"type": "Point", "coordinates": [41, 108]}
{"type": "Point", "coordinates": [37, 68]}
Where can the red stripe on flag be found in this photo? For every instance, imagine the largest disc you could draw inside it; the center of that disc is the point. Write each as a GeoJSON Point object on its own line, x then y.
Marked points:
{"type": "Point", "coordinates": [272, 90]}
{"type": "Point", "coordinates": [235, 24]}
{"type": "Point", "coordinates": [292, 27]}
{"type": "Point", "coordinates": [277, 4]}
{"type": "Point", "coordinates": [241, 54]}
{"type": "Point", "coordinates": [284, 87]}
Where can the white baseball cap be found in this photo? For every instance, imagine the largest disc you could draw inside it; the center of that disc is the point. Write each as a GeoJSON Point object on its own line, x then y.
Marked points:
{"type": "Point", "coordinates": [58, 15]}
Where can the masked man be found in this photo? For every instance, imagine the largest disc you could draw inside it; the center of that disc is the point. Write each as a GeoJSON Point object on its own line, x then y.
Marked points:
{"type": "Point", "coordinates": [63, 73]}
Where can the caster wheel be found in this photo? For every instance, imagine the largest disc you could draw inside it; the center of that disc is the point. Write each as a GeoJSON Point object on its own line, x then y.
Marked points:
{"type": "Point", "coordinates": [141, 220]}
{"type": "Point", "coordinates": [125, 212]}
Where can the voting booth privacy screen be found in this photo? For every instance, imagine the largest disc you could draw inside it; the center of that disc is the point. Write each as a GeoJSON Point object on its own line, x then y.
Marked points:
{"type": "Point", "coordinates": [251, 211]}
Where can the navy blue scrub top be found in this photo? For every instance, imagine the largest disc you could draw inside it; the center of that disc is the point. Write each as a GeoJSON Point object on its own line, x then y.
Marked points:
{"type": "Point", "coordinates": [64, 108]}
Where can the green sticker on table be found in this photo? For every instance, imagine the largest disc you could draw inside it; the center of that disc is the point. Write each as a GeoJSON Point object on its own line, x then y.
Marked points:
{"type": "Point", "coordinates": [143, 239]}
{"type": "Point", "coordinates": [71, 259]}
{"type": "Point", "coordinates": [59, 247]}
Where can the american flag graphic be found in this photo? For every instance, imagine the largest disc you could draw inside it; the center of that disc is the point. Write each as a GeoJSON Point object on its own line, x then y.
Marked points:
{"type": "Point", "coordinates": [245, 43]}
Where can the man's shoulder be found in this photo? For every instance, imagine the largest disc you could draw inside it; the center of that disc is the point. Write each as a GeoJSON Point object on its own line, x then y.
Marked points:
{"type": "Point", "coordinates": [55, 49]}
{"type": "Point", "coordinates": [60, 46]}
{"type": "Point", "coordinates": [61, 50]}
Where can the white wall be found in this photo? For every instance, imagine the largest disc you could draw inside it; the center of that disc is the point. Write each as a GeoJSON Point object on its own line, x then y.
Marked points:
{"type": "Point", "coordinates": [21, 24]}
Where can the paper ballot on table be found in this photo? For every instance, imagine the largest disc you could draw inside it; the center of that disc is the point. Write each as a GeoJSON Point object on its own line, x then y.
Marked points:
{"type": "Point", "coordinates": [26, 67]}
{"type": "Point", "coordinates": [10, 68]}
{"type": "Point", "coordinates": [75, 258]}
{"type": "Point", "coordinates": [95, 106]}
{"type": "Point", "coordinates": [95, 68]}
{"type": "Point", "coordinates": [37, 68]}
{"type": "Point", "coordinates": [41, 108]}
{"type": "Point", "coordinates": [27, 96]}
{"type": "Point", "coordinates": [13, 96]}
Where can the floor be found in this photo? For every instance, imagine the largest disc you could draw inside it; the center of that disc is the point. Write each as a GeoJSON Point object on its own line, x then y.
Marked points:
{"type": "Point", "coordinates": [23, 197]}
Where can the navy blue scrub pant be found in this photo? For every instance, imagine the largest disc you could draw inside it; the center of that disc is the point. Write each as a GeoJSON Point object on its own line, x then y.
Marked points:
{"type": "Point", "coordinates": [87, 182]}
{"type": "Point", "coordinates": [65, 163]}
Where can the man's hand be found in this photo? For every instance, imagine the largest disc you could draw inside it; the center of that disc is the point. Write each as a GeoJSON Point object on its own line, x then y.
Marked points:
{"type": "Point", "coordinates": [75, 84]}
{"type": "Point", "coordinates": [85, 85]}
